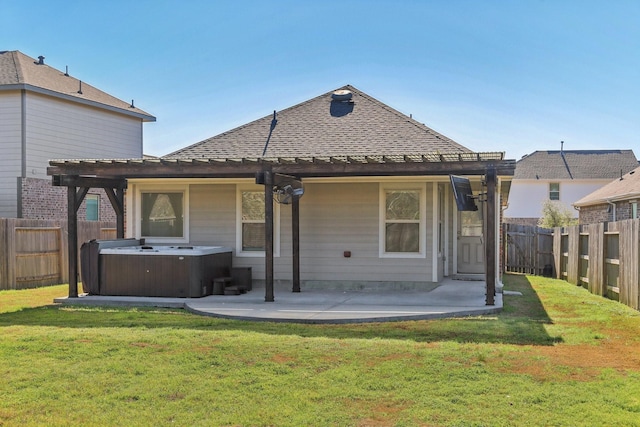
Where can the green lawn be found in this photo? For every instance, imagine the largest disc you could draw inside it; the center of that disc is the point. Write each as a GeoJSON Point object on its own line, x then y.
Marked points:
{"type": "Point", "coordinates": [556, 356]}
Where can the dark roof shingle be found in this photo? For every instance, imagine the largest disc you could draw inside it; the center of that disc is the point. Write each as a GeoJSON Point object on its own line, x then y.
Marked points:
{"type": "Point", "coordinates": [325, 127]}
{"type": "Point", "coordinates": [576, 164]}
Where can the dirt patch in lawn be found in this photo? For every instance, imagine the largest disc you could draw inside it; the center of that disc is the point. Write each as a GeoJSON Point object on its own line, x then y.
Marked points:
{"type": "Point", "coordinates": [582, 362]}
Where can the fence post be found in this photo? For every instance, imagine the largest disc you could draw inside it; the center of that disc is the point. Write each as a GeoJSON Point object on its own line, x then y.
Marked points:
{"type": "Point", "coordinates": [4, 255]}
{"type": "Point", "coordinates": [628, 259]}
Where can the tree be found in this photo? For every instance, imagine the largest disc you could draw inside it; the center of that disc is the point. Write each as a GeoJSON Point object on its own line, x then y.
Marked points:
{"type": "Point", "coordinates": [554, 214]}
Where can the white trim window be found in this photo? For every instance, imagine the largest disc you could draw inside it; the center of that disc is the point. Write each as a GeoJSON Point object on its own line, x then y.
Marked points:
{"type": "Point", "coordinates": [554, 191]}
{"type": "Point", "coordinates": [250, 223]}
{"type": "Point", "coordinates": [402, 220]}
{"type": "Point", "coordinates": [163, 214]}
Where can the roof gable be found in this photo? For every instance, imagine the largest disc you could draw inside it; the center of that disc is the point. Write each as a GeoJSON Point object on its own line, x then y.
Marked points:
{"type": "Point", "coordinates": [324, 126]}
{"type": "Point", "coordinates": [575, 164]}
{"type": "Point", "coordinates": [19, 71]}
{"type": "Point", "coordinates": [623, 188]}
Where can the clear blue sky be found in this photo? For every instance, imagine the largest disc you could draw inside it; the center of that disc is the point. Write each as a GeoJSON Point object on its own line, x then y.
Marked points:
{"type": "Point", "coordinates": [501, 75]}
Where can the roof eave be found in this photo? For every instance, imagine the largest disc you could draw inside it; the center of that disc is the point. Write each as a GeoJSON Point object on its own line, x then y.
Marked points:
{"type": "Point", "coordinates": [48, 92]}
{"type": "Point", "coordinates": [603, 200]}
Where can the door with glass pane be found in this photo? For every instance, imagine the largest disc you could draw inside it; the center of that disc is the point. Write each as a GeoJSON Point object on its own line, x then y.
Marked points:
{"type": "Point", "coordinates": [470, 242]}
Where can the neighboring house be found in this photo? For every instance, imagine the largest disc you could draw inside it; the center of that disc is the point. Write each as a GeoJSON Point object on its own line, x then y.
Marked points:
{"type": "Point", "coordinates": [563, 176]}
{"type": "Point", "coordinates": [616, 201]}
{"type": "Point", "coordinates": [48, 114]}
{"type": "Point", "coordinates": [377, 209]}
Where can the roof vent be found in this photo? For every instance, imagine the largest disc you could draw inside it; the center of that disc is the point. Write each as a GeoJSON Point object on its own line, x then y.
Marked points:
{"type": "Point", "coordinates": [342, 95]}
{"type": "Point", "coordinates": [40, 60]}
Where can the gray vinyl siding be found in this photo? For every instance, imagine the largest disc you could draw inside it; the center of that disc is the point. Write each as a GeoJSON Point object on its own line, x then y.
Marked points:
{"type": "Point", "coordinates": [58, 129]}
{"type": "Point", "coordinates": [334, 218]}
{"type": "Point", "coordinates": [212, 214]}
{"type": "Point", "coordinates": [10, 153]}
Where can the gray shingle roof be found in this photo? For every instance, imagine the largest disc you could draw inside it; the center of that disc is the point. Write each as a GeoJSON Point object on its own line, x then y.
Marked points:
{"type": "Point", "coordinates": [325, 127]}
{"type": "Point", "coordinates": [576, 164]}
{"type": "Point", "coordinates": [19, 71]}
{"type": "Point", "coordinates": [625, 188]}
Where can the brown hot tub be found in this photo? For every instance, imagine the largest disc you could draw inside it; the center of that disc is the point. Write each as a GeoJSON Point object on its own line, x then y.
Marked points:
{"type": "Point", "coordinates": [161, 271]}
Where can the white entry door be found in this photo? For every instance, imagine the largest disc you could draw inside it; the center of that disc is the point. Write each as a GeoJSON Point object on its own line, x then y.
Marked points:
{"type": "Point", "coordinates": [470, 242]}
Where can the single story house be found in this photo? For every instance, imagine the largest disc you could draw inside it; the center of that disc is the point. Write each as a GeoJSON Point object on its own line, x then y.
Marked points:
{"type": "Point", "coordinates": [616, 201]}
{"type": "Point", "coordinates": [364, 191]}
{"type": "Point", "coordinates": [562, 176]}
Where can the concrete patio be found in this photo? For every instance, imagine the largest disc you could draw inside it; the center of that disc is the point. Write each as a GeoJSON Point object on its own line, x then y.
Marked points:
{"type": "Point", "coordinates": [451, 298]}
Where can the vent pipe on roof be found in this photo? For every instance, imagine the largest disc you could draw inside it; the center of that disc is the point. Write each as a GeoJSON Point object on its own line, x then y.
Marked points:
{"type": "Point", "coordinates": [564, 160]}
{"type": "Point", "coordinates": [132, 106]}
{"type": "Point", "coordinates": [40, 60]}
{"type": "Point", "coordinates": [342, 95]}
{"type": "Point", "coordinates": [80, 88]}
{"type": "Point", "coordinates": [66, 70]}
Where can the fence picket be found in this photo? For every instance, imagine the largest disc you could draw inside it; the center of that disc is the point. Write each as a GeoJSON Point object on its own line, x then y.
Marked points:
{"type": "Point", "coordinates": [34, 252]}
{"type": "Point", "coordinates": [603, 257]}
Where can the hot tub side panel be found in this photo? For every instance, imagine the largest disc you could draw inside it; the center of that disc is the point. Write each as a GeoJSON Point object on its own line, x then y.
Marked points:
{"type": "Point", "coordinates": [161, 275]}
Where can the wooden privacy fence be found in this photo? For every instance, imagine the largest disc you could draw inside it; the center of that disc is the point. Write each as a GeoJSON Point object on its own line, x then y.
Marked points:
{"type": "Point", "coordinates": [34, 252]}
{"type": "Point", "coordinates": [601, 257]}
{"type": "Point", "coordinates": [527, 249]}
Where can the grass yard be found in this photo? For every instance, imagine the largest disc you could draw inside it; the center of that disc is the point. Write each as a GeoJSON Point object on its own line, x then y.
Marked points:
{"type": "Point", "coordinates": [556, 356]}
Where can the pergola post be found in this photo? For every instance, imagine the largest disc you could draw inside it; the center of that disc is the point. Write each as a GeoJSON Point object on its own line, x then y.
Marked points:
{"type": "Point", "coordinates": [490, 232]}
{"type": "Point", "coordinates": [268, 235]}
{"type": "Point", "coordinates": [295, 237]}
{"type": "Point", "coordinates": [72, 241]}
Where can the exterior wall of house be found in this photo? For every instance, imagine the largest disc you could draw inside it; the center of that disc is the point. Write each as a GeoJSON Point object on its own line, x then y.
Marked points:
{"type": "Point", "coordinates": [334, 218]}
{"type": "Point", "coordinates": [58, 129]}
{"type": "Point", "coordinates": [527, 196]}
{"type": "Point", "coordinates": [604, 212]}
{"type": "Point", "coordinates": [55, 129]}
{"type": "Point", "coordinates": [10, 152]}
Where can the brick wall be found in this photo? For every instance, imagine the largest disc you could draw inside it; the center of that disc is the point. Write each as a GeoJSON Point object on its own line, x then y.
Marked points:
{"type": "Point", "coordinates": [41, 200]}
{"type": "Point", "coordinates": [521, 221]}
{"type": "Point", "coordinates": [604, 212]}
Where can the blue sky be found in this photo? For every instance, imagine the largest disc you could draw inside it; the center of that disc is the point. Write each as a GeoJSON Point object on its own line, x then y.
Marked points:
{"type": "Point", "coordinates": [494, 75]}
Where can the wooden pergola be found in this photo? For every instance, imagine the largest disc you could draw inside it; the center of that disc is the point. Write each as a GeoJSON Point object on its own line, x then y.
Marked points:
{"type": "Point", "coordinates": [112, 175]}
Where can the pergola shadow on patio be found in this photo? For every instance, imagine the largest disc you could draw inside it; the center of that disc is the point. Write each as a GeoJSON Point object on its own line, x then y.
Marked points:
{"type": "Point", "coordinates": [451, 298]}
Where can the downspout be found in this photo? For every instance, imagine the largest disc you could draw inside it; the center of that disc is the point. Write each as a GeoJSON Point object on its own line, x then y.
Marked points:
{"type": "Point", "coordinates": [614, 209]}
{"type": "Point", "coordinates": [23, 152]}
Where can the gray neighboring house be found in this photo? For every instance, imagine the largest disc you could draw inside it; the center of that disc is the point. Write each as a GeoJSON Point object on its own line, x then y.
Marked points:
{"type": "Point", "coordinates": [616, 201]}
{"type": "Point", "coordinates": [48, 114]}
{"type": "Point", "coordinates": [563, 176]}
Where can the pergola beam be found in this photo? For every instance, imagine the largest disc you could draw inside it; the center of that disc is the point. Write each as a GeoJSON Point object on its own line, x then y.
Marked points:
{"type": "Point", "coordinates": [234, 169]}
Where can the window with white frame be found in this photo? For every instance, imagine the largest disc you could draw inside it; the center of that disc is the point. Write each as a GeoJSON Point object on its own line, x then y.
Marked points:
{"type": "Point", "coordinates": [162, 215]}
{"type": "Point", "coordinates": [402, 227]}
{"type": "Point", "coordinates": [554, 191]}
{"type": "Point", "coordinates": [634, 209]}
{"type": "Point", "coordinates": [251, 223]}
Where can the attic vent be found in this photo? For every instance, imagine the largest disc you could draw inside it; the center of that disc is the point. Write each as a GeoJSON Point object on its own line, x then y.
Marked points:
{"type": "Point", "coordinates": [40, 60]}
{"type": "Point", "coordinates": [341, 95]}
